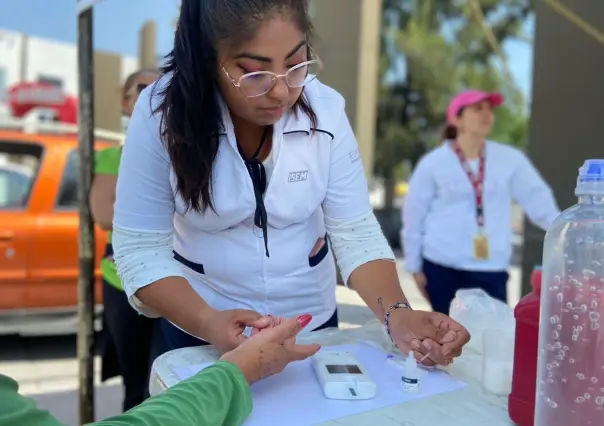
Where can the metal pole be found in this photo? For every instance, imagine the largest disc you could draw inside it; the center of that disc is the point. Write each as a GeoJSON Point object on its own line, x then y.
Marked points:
{"type": "Point", "coordinates": [86, 234]}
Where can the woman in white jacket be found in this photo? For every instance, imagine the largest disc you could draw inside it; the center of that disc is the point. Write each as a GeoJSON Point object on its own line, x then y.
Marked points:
{"type": "Point", "coordinates": [237, 164]}
{"type": "Point", "coordinates": [457, 214]}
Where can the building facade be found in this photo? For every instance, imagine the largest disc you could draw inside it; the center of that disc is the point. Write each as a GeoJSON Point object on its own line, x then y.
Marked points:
{"type": "Point", "coordinates": [32, 59]}
{"type": "Point", "coordinates": [348, 41]}
{"type": "Point", "coordinates": [567, 104]}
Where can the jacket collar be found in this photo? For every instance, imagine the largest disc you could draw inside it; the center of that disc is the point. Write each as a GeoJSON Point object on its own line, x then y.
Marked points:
{"type": "Point", "coordinates": [291, 122]}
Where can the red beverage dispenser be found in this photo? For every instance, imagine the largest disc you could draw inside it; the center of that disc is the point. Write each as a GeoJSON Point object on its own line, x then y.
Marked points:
{"type": "Point", "coordinates": [524, 381]}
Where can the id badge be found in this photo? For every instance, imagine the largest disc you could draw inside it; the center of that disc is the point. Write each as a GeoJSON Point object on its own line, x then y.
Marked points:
{"type": "Point", "coordinates": [481, 247]}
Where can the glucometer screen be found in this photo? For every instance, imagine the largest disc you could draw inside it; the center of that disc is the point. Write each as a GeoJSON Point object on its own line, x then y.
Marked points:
{"type": "Point", "coordinates": [343, 369]}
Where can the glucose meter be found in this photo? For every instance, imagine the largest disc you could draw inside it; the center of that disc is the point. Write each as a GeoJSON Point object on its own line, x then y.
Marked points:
{"type": "Point", "coordinates": [341, 376]}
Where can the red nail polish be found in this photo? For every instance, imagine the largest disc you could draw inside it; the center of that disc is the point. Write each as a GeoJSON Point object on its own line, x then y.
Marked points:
{"type": "Point", "coordinates": [303, 320]}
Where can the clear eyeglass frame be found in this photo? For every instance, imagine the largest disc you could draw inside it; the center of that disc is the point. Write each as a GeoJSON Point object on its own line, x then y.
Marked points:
{"type": "Point", "coordinates": [275, 77]}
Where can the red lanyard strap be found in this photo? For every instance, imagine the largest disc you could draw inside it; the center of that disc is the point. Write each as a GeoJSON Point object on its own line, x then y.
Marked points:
{"type": "Point", "coordinates": [477, 181]}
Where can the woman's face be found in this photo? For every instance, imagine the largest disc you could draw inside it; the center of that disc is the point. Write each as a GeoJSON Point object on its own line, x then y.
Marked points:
{"type": "Point", "coordinates": [131, 94]}
{"type": "Point", "coordinates": [277, 46]}
{"type": "Point", "coordinates": [477, 119]}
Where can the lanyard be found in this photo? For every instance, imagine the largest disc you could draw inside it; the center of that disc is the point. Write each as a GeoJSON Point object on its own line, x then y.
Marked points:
{"type": "Point", "coordinates": [477, 181]}
{"type": "Point", "coordinates": [257, 173]}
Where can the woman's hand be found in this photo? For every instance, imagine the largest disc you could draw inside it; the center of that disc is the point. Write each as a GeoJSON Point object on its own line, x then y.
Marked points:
{"type": "Point", "coordinates": [268, 352]}
{"type": "Point", "coordinates": [272, 322]}
{"type": "Point", "coordinates": [431, 335]}
{"type": "Point", "coordinates": [224, 329]}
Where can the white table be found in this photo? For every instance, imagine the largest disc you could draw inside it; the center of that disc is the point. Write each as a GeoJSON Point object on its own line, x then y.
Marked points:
{"type": "Point", "coordinates": [470, 406]}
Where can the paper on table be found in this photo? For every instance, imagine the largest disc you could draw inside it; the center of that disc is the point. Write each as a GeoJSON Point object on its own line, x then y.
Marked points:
{"type": "Point", "coordinates": [294, 397]}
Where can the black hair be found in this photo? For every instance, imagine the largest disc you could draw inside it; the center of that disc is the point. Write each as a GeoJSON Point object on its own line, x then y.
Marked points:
{"type": "Point", "coordinates": [450, 131]}
{"type": "Point", "coordinates": [191, 120]}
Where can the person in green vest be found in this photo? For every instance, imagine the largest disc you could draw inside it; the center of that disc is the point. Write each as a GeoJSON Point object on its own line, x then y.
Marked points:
{"type": "Point", "coordinates": [217, 396]}
{"type": "Point", "coordinates": [127, 338]}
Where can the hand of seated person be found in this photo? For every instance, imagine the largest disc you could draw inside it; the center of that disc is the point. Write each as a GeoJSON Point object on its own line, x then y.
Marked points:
{"type": "Point", "coordinates": [270, 322]}
{"type": "Point", "coordinates": [267, 353]}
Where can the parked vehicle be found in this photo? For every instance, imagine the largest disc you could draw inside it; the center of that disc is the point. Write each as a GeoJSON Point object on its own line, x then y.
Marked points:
{"type": "Point", "coordinates": [39, 224]}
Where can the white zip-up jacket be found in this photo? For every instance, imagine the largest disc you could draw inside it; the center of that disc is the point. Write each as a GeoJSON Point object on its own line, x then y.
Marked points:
{"type": "Point", "coordinates": [317, 179]}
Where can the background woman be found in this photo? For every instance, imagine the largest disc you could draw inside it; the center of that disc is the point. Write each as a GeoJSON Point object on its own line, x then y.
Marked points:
{"type": "Point", "coordinates": [457, 229]}
{"type": "Point", "coordinates": [237, 164]}
{"type": "Point", "coordinates": [127, 335]}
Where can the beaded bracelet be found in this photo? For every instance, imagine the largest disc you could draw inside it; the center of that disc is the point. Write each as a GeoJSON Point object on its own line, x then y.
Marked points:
{"type": "Point", "coordinates": [397, 305]}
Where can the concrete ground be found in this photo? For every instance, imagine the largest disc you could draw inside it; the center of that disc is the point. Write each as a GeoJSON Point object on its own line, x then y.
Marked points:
{"type": "Point", "coordinates": [46, 368]}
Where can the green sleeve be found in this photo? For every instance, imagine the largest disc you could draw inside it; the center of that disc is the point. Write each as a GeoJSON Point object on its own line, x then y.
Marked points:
{"type": "Point", "coordinates": [107, 161]}
{"type": "Point", "coordinates": [16, 409]}
{"type": "Point", "coordinates": [217, 396]}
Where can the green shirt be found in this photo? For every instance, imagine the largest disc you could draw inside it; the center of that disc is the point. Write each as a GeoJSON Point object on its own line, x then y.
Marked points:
{"type": "Point", "coordinates": [107, 162]}
{"type": "Point", "coordinates": [217, 396]}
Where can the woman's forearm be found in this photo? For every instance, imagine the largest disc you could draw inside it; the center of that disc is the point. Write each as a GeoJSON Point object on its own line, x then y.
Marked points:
{"type": "Point", "coordinates": [154, 281]}
{"type": "Point", "coordinates": [102, 213]}
{"type": "Point", "coordinates": [217, 396]}
{"type": "Point", "coordinates": [102, 199]}
{"type": "Point", "coordinates": [174, 299]}
{"type": "Point", "coordinates": [377, 281]}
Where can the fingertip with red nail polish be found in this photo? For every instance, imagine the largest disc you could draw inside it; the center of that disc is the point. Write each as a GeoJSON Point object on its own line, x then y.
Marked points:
{"type": "Point", "coordinates": [304, 320]}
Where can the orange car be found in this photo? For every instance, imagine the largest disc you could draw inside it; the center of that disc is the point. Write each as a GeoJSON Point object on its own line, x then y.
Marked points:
{"type": "Point", "coordinates": [39, 232]}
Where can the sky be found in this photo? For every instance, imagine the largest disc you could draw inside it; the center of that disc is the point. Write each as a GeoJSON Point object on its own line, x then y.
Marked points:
{"type": "Point", "coordinates": [117, 23]}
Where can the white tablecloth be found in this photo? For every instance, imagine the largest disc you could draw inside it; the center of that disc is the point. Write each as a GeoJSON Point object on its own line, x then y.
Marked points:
{"type": "Point", "coordinates": [470, 406]}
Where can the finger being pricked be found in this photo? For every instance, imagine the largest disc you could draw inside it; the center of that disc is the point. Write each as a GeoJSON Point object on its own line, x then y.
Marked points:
{"type": "Point", "coordinates": [285, 334]}
{"type": "Point", "coordinates": [298, 352]}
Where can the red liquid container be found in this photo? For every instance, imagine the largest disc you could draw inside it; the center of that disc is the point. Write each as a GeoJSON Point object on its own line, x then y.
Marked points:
{"type": "Point", "coordinates": [524, 381]}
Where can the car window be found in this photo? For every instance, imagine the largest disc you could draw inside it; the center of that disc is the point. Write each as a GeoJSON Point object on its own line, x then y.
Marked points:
{"type": "Point", "coordinates": [19, 163]}
{"type": "Point", "coordinates": [68, 191]}
{"type": "Point", "coordinates": [14, 188]}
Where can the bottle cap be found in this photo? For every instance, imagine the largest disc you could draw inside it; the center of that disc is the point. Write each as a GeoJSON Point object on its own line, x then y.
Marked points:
{"type": "Point", "coordinates": [592, 170]}
{"type": "Point", "coordinates": [411, 369]}
{"type": "Point", "coordinates": [590, 180]}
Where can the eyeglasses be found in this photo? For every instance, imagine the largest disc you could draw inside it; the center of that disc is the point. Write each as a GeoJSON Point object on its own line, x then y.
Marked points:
{"type": "Point", "coordinates": [259, 83]}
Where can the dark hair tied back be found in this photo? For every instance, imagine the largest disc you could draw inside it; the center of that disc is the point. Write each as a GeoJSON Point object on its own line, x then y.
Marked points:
{"type": "Point", "coordinates": [190, 113]}
{"type": "Point", "coordinates": [449, 133]}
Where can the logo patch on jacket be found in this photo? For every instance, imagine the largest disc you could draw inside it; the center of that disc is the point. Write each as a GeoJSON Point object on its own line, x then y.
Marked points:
{"type": "Point", "coordinates": [298, 176]}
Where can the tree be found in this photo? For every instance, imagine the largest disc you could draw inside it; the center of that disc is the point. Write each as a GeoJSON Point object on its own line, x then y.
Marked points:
{"type": "Point", "coordinates": [510, 127]}
{"type": "Point", "coordinates": [431, 49]}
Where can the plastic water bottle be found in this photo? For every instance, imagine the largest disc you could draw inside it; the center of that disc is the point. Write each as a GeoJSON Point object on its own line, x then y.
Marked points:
{"type": "Point", "coordinates": [570, 380]}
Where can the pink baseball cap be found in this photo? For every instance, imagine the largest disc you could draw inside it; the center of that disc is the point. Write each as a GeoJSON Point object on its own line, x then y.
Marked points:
{"type": "Point", "coordinates": [471, 97]}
